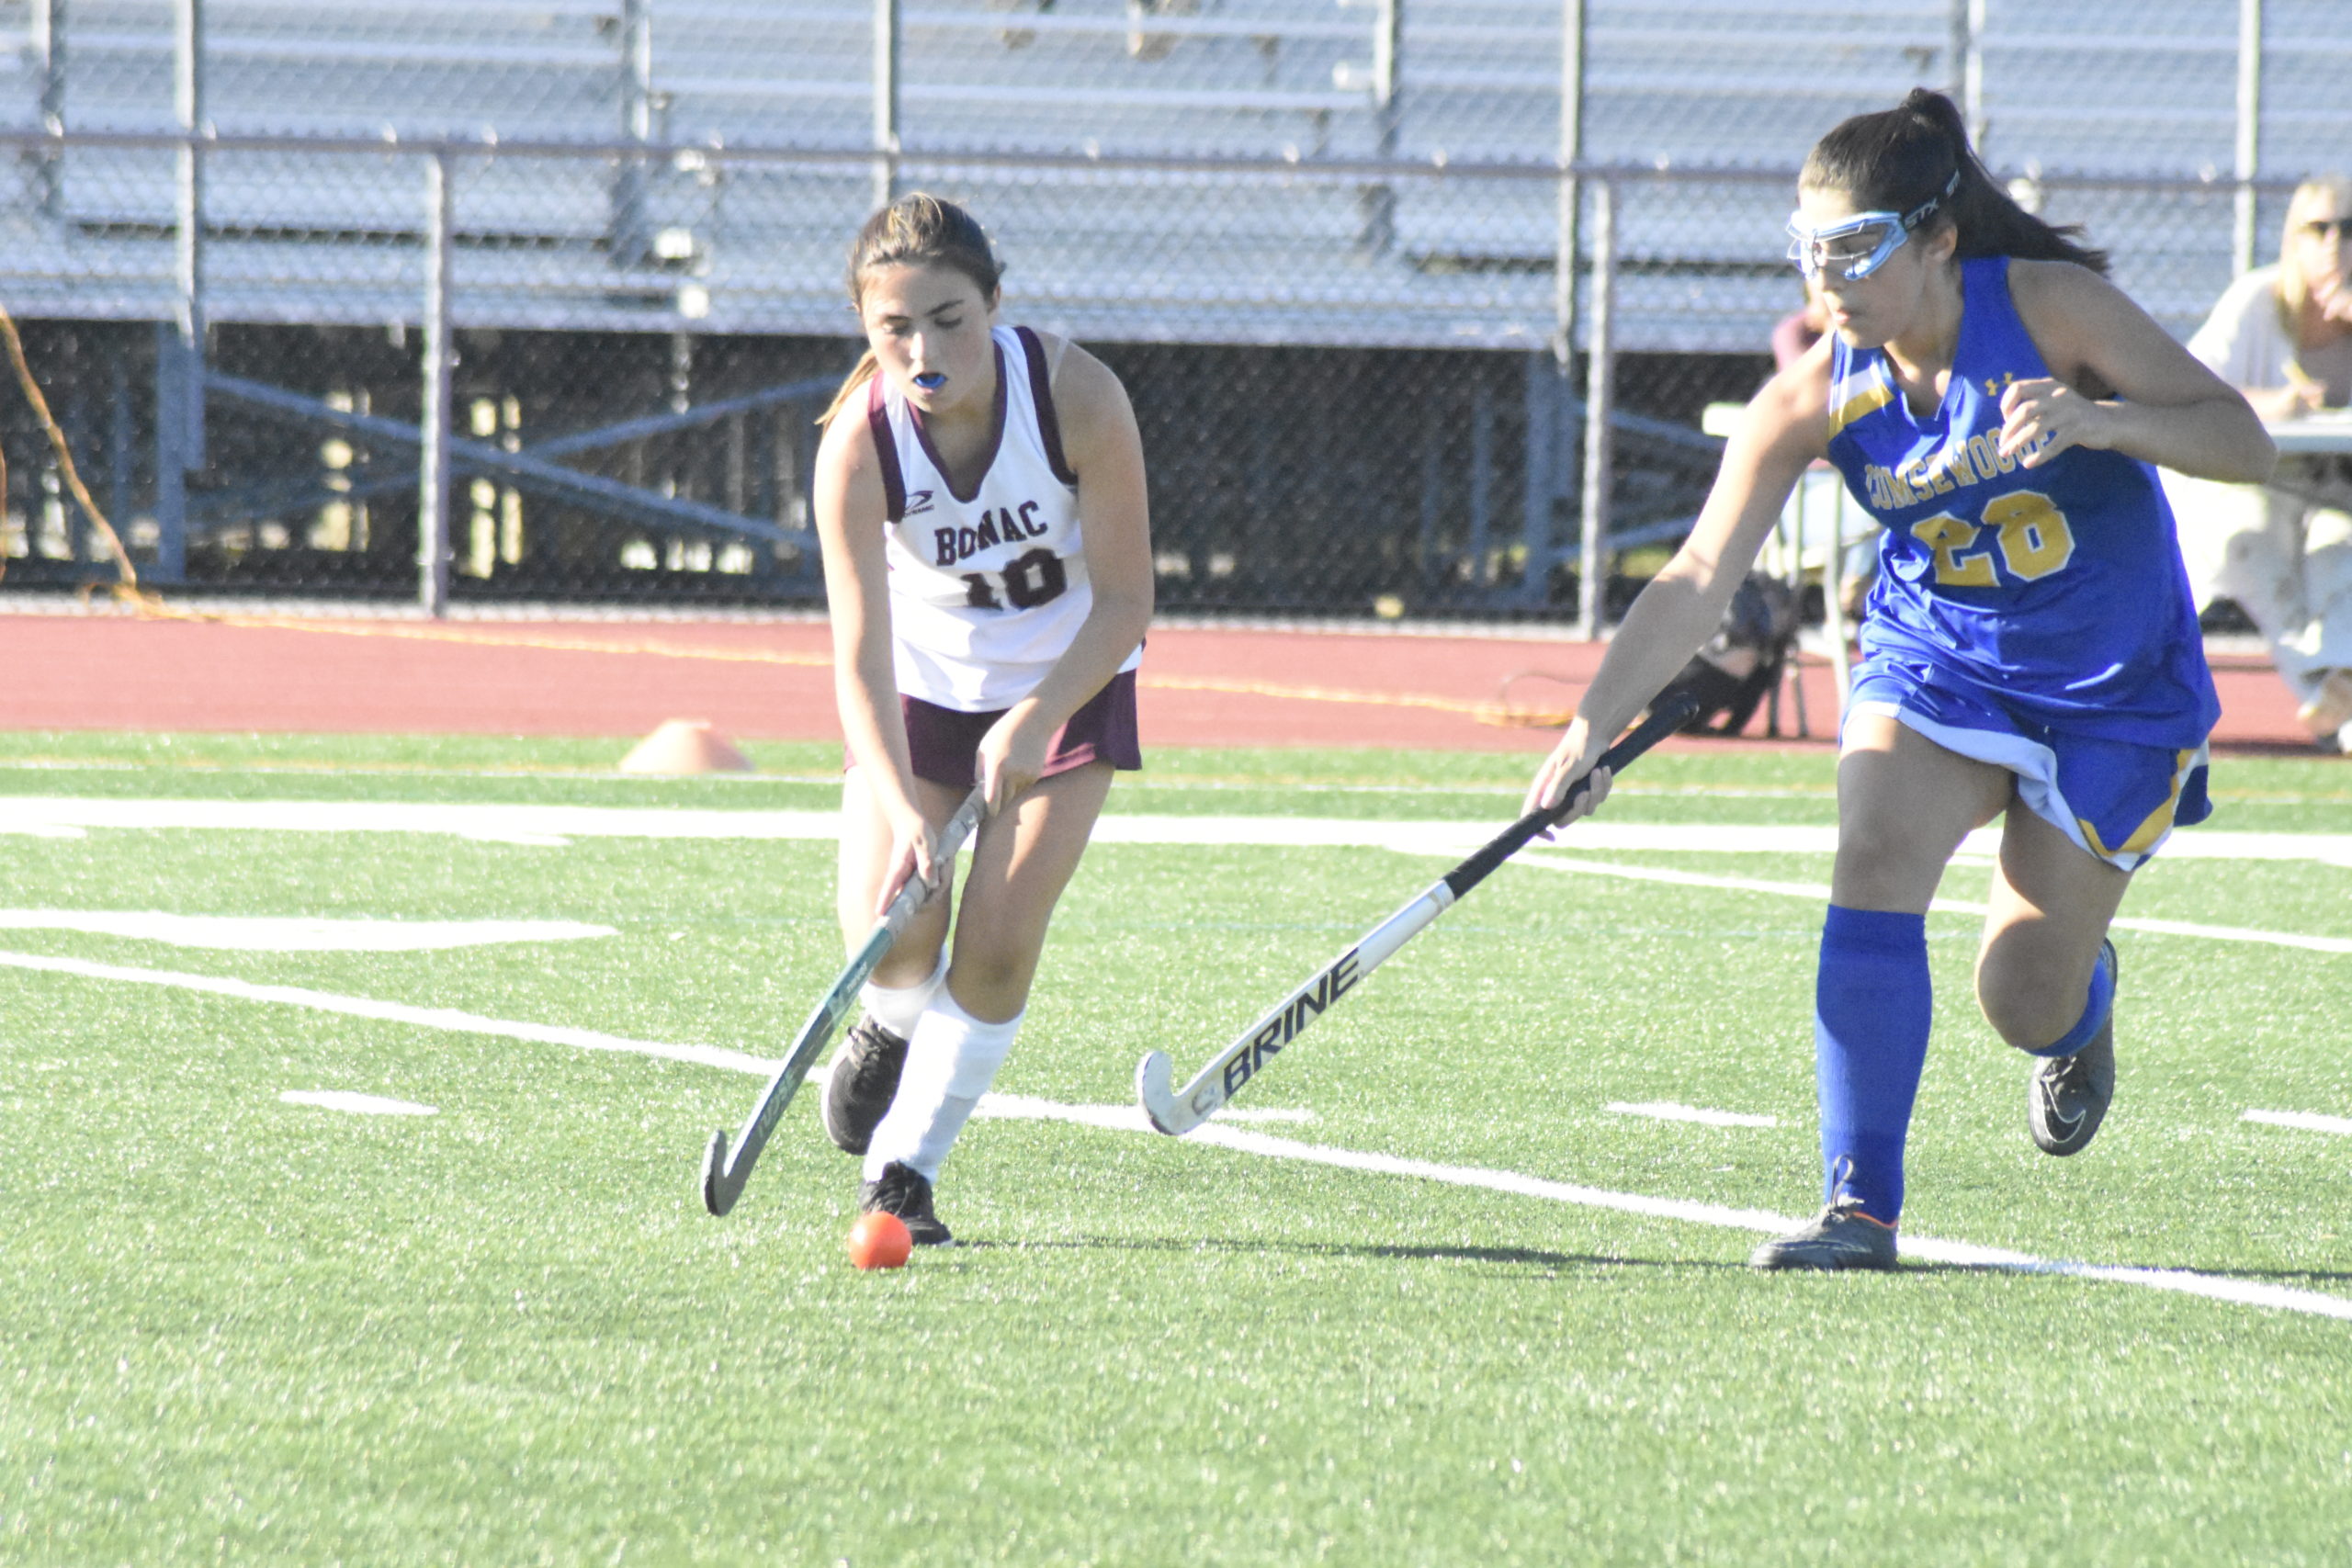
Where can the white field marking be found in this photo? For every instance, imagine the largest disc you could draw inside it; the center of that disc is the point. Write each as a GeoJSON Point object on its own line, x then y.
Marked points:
{"type": "Point", "coordinates": [1815, 890]}
{"type": "Point", "coordinates": [1130, 1118]}
{"type": "Point", "coordinates": [499, 823]}
{"type": "Point", "coordinates": [550, 824]}
{"type": "Point", "coordinates": [1819, 892]}
{"type": "Point", "coordinates": [2233, 933]}
{"type": "Point", "coordinates": [270, 933]}
{"type": "Point", "coordinates": [448, 1018]}
{"type": "Point", "coordinates": [1667, 1111]}
{"type": "Point", "coordinates": [358, 1105]}
{"type": "Point", "coordinates": [537, 824]}
{"type": "Point", "coordinates": [1263, 1113]}
{"type": "Point", "coordinates": [2310, 1122]}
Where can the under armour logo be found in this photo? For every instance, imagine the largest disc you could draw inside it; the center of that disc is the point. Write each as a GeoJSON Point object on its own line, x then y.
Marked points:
{"type": "Point", "coordinates": [1993, 387]}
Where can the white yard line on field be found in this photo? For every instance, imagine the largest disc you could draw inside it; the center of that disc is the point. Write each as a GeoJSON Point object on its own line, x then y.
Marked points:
{"type": "Point", "coordinates": [448, 1018]}
{"type": "Point", "coordinates": [296, 933]}
{"type": "Point", "coordinates": [2310, 1122]}
{"type": "Point", "coordinates": [2214, 1287]}
{"type": "Point", "coordinates": [1130, 1118]}
{"type": "Point", "coordinates": [1819, 892]}
{"type": "Point", "coordinates": [1667, 1111]}
{"type": "Point", "coordinates": [358, 1105]}
{"type": "Point", "coordinates": [553, 824]}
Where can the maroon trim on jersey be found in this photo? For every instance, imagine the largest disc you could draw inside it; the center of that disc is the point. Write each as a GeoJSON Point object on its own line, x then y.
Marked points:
{"type": "Point", "coordinates": [996, 440]}
{"type": "Point", "coordinates": [886, 451]}
{"type": "Point", "coordinates": [1041, 393]}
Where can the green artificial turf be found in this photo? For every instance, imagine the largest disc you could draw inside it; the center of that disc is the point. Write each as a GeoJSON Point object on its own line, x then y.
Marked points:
{"type": "Point", "coordinates": [240, 1330]}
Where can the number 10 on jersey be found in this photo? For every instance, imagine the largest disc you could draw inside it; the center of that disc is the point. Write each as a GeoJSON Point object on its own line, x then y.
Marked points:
{"type": "Point", "coordinates": [1035, 579]}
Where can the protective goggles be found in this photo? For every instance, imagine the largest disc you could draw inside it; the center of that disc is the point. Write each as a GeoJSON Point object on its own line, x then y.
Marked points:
{"type": "Point", "coordinates": [1857, 246]}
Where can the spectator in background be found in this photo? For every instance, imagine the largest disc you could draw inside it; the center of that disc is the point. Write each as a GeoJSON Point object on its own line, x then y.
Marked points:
{"type": "Point", "coordinates": [2283, 335]}
{"type": "Point", "coordinates": [1795, 333]}
{"type": "Point", "coordinates": [1800, 330]}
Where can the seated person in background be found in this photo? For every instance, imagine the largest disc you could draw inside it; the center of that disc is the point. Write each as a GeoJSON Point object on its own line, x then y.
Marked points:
{"type": "Point", "coordinates": [1791, 336]}
{"type": "Point", "coordinates": [2283, 336]}
{"type": "Point", "coordinates": [1800, 330]}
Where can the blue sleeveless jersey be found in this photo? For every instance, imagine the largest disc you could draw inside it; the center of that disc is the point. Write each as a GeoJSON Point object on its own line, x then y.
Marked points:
{"type": "Point", "coordinates": [2058, 592]}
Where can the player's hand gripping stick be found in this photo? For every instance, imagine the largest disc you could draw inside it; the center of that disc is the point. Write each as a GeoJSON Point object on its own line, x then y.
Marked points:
{"type": "Point", "coordinates": [1178, 1111]}
{"type": "Point", "coordinates": [723, 1179]}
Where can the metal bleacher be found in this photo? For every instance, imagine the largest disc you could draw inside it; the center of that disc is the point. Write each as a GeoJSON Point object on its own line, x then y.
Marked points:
{"type": "Point", "coordinates": [2104, 88]}
{"type": "Point", "coordinates": [1367, 173]}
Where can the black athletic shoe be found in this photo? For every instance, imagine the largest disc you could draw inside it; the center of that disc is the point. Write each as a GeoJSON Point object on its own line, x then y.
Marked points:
{"type": "Point", "coordinates": [2068, 1094]}
{"type": "Point", "coordinates": [864, 1080]}
{"type": "Point", "coordinates": [1842, 1238]}
{"type": "Point", "coordinates": [906, 1193]}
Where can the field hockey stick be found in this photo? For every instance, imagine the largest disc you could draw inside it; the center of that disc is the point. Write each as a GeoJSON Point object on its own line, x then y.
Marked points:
{"type": "Point", "coordinates": [1176, 1112]}
{"type": "Point", "coordinates": [722, 1179]}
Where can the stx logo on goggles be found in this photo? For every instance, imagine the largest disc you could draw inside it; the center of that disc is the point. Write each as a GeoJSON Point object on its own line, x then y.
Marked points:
{"type": "Point", "coordinates": [1283, 1027]}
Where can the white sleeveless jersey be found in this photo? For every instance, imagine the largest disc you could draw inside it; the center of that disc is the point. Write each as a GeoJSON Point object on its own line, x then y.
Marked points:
{"type": "Point", "coordinates": [987, 587]}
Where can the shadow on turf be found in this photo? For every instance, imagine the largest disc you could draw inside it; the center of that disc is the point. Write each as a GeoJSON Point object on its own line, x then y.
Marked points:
{"type": "Point", "coordinates": [1531, 1256]}
{"type": "Point", "coordinates": [1518, 1255]}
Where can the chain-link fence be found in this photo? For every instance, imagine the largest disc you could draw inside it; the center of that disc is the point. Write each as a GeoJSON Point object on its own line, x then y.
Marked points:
{"type": "Point", "coordinates": [1317, 243]}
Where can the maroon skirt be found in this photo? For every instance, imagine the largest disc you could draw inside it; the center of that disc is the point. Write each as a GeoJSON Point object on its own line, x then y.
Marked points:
{"type": "Point", "coordinates": [945, 743]}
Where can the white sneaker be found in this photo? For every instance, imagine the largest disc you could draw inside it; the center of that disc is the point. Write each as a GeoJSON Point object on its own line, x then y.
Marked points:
{"type": "Point", "coordinates": [2329, 711]}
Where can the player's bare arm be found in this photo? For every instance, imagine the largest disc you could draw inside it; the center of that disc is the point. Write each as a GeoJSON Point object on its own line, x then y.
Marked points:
{"type": "Point", "coordinates": [2167, 408]}
{"type": "Point", "coordinates": [851, 514]}
{"type": "Point", "coordinates": [1104, 449]}
{"type": "Point", "coordinates": [1786, 426]}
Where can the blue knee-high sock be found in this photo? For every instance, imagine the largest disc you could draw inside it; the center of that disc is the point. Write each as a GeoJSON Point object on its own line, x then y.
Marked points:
{"type": "Point", "coordinates": [2098, 1004]}
{"type": "Point", "coordinates": [1872, 1010]}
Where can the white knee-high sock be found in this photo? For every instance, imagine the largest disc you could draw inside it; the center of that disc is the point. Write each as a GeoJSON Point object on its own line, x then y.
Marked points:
{"type": "Point", "coordinates": [896, 1008]}
{"type": "Point", "coordinates": [952, 1057]}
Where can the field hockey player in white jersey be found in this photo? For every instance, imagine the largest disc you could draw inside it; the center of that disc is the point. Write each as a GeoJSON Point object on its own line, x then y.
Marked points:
{"type": "Point", "coordinates": [2030, 651]}
{"type": "Point", "coordinates": [981, 502]}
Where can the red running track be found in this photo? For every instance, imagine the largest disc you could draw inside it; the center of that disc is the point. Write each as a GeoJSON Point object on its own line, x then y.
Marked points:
{"type": "Point", "coordinates": [770, 681]}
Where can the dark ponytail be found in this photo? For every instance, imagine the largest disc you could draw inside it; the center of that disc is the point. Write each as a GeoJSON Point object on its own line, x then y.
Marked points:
{"type": "Point", "coordinates": [1901, 159]}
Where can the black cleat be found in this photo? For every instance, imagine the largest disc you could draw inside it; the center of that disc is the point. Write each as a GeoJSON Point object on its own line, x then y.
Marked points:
{"type": "Point", "coordinates": [2068, 1096]}
{"type": "Point", "coordinates": [860, 1085]}
{"type": "Point", "coordinates": [906, 1193]}
{"type": "Point", "coordinates": [1842, 1238]}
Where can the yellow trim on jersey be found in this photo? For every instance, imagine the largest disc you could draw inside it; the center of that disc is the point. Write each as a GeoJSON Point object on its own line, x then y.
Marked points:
{"type": "Point", "coordinates": [1858, 396]}
{"type": "Point", "coordinates": [2152, 828]}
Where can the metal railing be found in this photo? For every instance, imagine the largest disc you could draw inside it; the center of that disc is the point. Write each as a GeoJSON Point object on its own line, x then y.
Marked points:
{"type": "Point", "coordinates": [1493, 422]}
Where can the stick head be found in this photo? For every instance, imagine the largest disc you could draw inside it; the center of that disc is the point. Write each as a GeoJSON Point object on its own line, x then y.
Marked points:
{"type": "Point", "coordinates": [719, 1192]}
{"type": "Point", "coordinates": [1155, 1090]}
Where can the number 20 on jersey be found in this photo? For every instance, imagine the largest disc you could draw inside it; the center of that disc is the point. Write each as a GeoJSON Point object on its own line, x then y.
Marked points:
{"type": "Point", "coordinates": [2030, 535]}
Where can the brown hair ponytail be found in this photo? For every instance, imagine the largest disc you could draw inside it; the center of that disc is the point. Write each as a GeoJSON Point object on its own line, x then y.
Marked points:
{"type": "Point", "coordinates": [1901, 159]}
{"type": "Point", "coordinates": [917, 230]}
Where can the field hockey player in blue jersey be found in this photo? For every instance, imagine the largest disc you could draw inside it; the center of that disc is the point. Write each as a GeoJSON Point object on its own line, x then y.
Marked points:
{"type": "Point", "coordinates": [2030, 653]}
{"type": "Point", "coordinates": [979, 497]}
